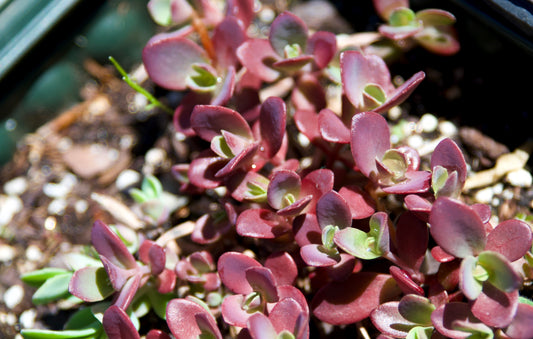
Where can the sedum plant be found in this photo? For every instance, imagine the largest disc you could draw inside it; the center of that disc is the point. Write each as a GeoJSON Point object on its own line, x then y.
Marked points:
{"type": "Point", "coordinates": [296, 229]}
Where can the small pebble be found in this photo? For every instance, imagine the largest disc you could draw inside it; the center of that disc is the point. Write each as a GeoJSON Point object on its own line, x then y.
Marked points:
{"type": "Point", "coordinates": [27, 318]}
{"type": "Point", "coordinates": [13, 296]}
{"type": "Point", "coordinates": [52, 190]}
{"type": "Point", "coordinates": [428, 123]}
{"type": "Point", "coordinates": [127, 179]}
{"type": "Point", "coordinates": [81, 206]}
{"type": "Point", "coordinates": [16, 186]}
{"type": "Point", "coordinates": [484, 196]}
{"type": "Point", "coordinates": [33, 253]}
{"type": "Point", "coordinates": [9, 319]}
{"type": "Point", "coordinates": [57, 206]}
{"type": "Point", "coordinates": [7, 253]}
{"type": "Point", "coordinates": [447, 128]}
{"type": "Point", "coordinates": [395, 113]}
{"type": "Point", "coordinates": [155, 156]}
{"type": "Point", "coordinates": [9, 206]}
{"type": "Point", "coordinates": [415, 141]}
{"type": "Point", "coordinates": [303, 140]}
{"type": "Point", "coordinates": [520, 178]}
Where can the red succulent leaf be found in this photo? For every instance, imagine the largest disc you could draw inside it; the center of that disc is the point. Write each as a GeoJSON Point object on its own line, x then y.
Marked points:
{"type": "Point", "coordinates": [263, 281]}
{"type": "Point", "coordinates": [389, 321]}
{"type": "Point", "coordinates": [184, 316]}
{"type": "Point", "coordinates": [512, 238]}
{"type": "Point", "coordinates": [168, 60]}
{"type": "Point", "coordinates": [435, 17]}
{"type": "Point", "coordinates": [440, 255]}
{"type": "Point", "coordinates": [228, 35]}
{"type": "Point", "coordinates": [306, 230]}
{"type": "Point", "coordinates": [108, 244]}
{"type": "Point", "coordinates": [323, 46]}
{"type": "Point", "coordinates": [358, 71]}
{"type": "Point", "coordinates": [208, 121]}
{"type": "Point", "coordinates": [128, 291]}
{"type": "Point", "coordinates": [240, 161]}
{"type": "Point", "coordinates": [261, 327]}
{"type": "Point", "coordinates": [307, 122]}
{"type": "Point", "coordinates": [289, 291]}
{"type": "Point", "coordinates": [353, 299]}
{"type": "Point", "coordinates": [347, 265]}
{"type": "Point", "coordinates": [445, 42]}
{"type": "Point", "coordinates": [166, 281]}
{"type": "Point", "coordinates": [445, 317]}
{"type": "Point", "coordinates": [232, 267]}
{"type": "Point", "coordinates": [223, 93]}
{"type": "Point", "coordinates": [283, 267]}
{"type": "Point", "coordinates": [90, 284]}
{"type": "Point", "coordinates": [152, 254]}
{"type": "Point", "coordinates": [243, 10]}
{"type": "Point", "coordinates": [203, 168]}
{"type": "Point", "coordinates": [287, 315]}
{"type": "Point", "coordinates": [457, 228]}
{"type": "Point", "coordinates": [495, 308]}
{"type": "Point", "coordinates": [400, 32]}
{"type": "Point", "coordinates": [448, 155]}
{"type": "Point", "coordinates": [317, 183]}
{"type": "Point", "coordinates": [332, 209]}
{"type": "Point", "coordinates": [522, 324]}
{"type": "Point", "coordinates": [401, 93]}
{"type": "Point", "coordinates": [118, 325]}
{"type": "Point", "coordinates": [261, 223]}
{"type": "Point", "coordinates": [286, 30]}
{"type": "Point", "coordinates": [418, 205]}
{"type": "Point", "coordinates": [258, 56]}
{"type": "Point", "coordinates": [412, 237]}
{"type": "Point", "coordinates": [415, 182]}
{"type": "Point", "coordinates": [233, 311]}
{"type": "Point", "coordinates": [157, 334]}
{"type": "Point", "coordinates": [272, 118]}
{"type": "Point", "coordinates": [308, 93]}
{"type": "Point", "coordinates": [332, 128]}
{"type": "Point", "coordinates": [370, 140]}
{"type": "Point", "coordinates": [318, 256]}
{"type": "Point", "coordinates": [360, 203]}
{"type": "Point", "coordinates": [182, 114]}
{"type": "Point", "coordinates": [404, 281]}
{"type": "Point", "coordinates": [292, 64]}
{"type": "Point", "coordinates": [283, 184]}
{"type": "Point", "coordinates": [385, 7]}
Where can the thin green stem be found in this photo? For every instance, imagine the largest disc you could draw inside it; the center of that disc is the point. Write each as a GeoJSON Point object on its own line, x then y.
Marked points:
{"type": "Point", "coordinates": [139, 88]}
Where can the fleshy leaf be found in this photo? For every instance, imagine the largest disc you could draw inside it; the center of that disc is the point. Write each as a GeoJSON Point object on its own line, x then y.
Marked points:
{"type": "Point", "coordinates": [370, 139]}
{"type": "Point", "coordinates": [440, 40]}
{"type": "Point", "coordinates": [384, 8]}
{"type": "Point", "coordinates": [469, 283]}
{"type": "Point", "coordinates": [445, 317]}
{"type": "Point", "coordinates": [357, 243]}
{"type": "Point", "coordinates": [435, 17]}
{"type": "Point", "coordinates": [323, 46]}
{"type": "Point", "coordinates": [389, 321]}
{"type": "Point", "coordinates": [501, 272]}
{"type": "Point", "coordinates": [319, 256]}
{"type": "Point", "coordinates": [353, 299]}
{"type": "Point", "coordinates": [208, 121]}
{"type": "Point", "coordinates": [118, 325]}
{"type": "Point", "coordinates": [168, 60]}
{"type": "Point", "coordinates": [333, 210]}
{"type": "Point", "coordinates": [286, 30]}
{"type": "Point", "coordinates": [416, 309]}
{"type": "Point", "coordinates": [412, 238]}
{"type": "Point", "coordinates": [284, 189]}
{"type": "Point", "coordinates": [457, 228]}
{"type": "Point", "coordinates": [511, 238]}
{"type": "Point", "coordinates": [108, 244]}
{"type": "Point", "coordinates": [272, 118]}
{"type": "Point", "coordinates": [260, 327]}
{"type": "Point", "coordinates": [522, 324]}
{"type": "Point", "coordinates": [90, 284]}
{"type": "Point", "coordinates": [160, 12]}
{"type": "Point", "coordinates": [263, 281]}
{"type": "Point", "coordinates": [227, 37]}
{"type": "Point", "coordinates": [182, 319]}
{"type": "Point", "coordinates": [285, 315]}
{"type": "Point", "coordinates": [332, 128]}
{"type": "Point", "coordinates": [232, 267]}
{"type": "Point", "coordinates": [53, 288]}
{"type": "Point", "coordinates": [261, 223]}
{"type": "Point", "coordinates": [38, 277]}
{"type": "Point", "coordinates": [494, 307]}
{"type": "Point", "coordinates": [283, 267]}
{"type": "Point", "coordinates": [258, 56]}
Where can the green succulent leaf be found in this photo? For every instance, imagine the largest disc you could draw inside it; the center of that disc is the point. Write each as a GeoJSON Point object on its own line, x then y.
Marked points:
{"type": "Point", "coordinates": [138, 195]}
{"type": "Point", "coordinates": [82, 319]}
{"type": "Point", "coordinates": [469, 284]}
{"type": "Point", "coordinates": [92, 283]}
{"type": "Point", "coordinates": [374, 95]}
{"type": "Point", "coordinates": [53, 288]}
{"type": "Point", "coordinates": [416, 309]}
{"type": "Point", "coordinates": [159, 302]}
{"type": "Point", "coordinates": [203, 80]}
{"type": "Point", "coordinates": [328, 234]}
{"type": "Point", "coordinates": [37, 278]}
{"type": "Point", "coordinates": [357, 243]}
{"type": "Point", "coordinates": [500, 272]}
{"type": "Point", "coordinates": [66, 334]}
{"type": "Point", "coordinates": [403, 17]}
{"type": "Point", "coordinates": [285, 335]}
{"type": "Point", "coordinates": [152, 187]}
{"type": "Point", "coordinates": [220, 147]}
{"type": "Point", "coordinates": [420, 332]}
{"type": "Point", "coordinates": [438, 178]}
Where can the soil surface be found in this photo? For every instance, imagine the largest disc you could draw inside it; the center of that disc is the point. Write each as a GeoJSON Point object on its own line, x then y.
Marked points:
{"type": "Point", "coordinates": [47, 200]}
